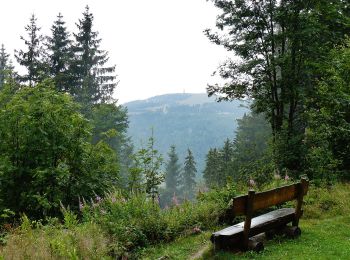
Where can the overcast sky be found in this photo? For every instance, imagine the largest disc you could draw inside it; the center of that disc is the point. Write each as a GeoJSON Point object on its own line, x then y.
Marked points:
{"type": "Point", "coordinates": [158, 46]}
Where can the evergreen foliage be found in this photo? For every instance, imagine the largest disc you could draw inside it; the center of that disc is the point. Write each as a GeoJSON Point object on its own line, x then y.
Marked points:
{"type": "Point", "coordinates": [188, 177]}
{"type": "Point", "coordinates": [93, 81]}
{"type": "Point", "coordinates": [246, 158]}
{"type": "Point", "coordinates": [33, 57]}
{"type": "Point", "coordinates": [59, 56]}
{"type": "Point", "coordinates": [172, 171]}
{"type": "Point", "coordinates": [226, 154]}
{"type": "Point", "coordinates": [212, 176]}
{"type": "Point", "coordinates": [3, 65]}
{"type": "Point", "coordinates": [106, 117]}
{"type": "Point", "coordinates": [251, 159]}
{"type": "Point", "coordinates": [147, 171]}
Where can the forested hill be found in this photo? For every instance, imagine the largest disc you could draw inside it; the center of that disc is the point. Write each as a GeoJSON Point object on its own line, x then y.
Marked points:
{"type": "Point", "coordinates": [185, 120]}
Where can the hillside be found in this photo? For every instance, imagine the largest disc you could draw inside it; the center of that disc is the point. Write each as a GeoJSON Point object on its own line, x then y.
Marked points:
{"type": "Point", "coordinates": [186, 121]}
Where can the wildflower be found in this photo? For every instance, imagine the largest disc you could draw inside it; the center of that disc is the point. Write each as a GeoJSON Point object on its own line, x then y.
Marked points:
{"type": "Point", "coordinates": [286, 178]}
{"type": "Point", "coordinates": [81, 205]}
{"type": "Point", "coordinates": [277, 176]}
{"type": "Point", "coordinates": [196, 230]}
{"type": "Point", "coordinates": [98, 199]}
{"type": "Point", "coordinates": [174, 200]}
{"type": "Point", "coordinates": [103, 212]}
{"type": "Point", "coordinates": [113, 200]}
{"type": "Point", "coordinates": [251, 183]}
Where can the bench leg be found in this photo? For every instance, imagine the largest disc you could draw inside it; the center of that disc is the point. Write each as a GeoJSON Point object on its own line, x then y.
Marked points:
{"type": "Point", "coordinates": [292, 232]}
{"type": "Point", "coordinates": [270, 234]}
{"type": "Point", "coordinates": [256, 246]}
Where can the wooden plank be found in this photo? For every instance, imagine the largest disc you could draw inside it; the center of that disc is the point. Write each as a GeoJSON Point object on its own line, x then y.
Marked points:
{"type": "Point", "coordinates": [248, 219]}
{"type": "Point", "coordinates": [274, 197]}
{"type": "Point", "coordinates": [239, 205]}
{"type": "Point", "coordinates": [302, 189]}
{"type": "Point", "coordinates": [267, 199]}
{"type": "Point", "coordinates": [234, 234]}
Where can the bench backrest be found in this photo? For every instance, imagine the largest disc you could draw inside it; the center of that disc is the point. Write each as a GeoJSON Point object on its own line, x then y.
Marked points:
{"type": "Point", "coordinates": [266, 199]}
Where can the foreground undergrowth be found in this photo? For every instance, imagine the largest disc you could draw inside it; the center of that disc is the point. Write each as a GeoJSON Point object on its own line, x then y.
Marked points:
{"type": "Point", "coordinates": [134, 228]}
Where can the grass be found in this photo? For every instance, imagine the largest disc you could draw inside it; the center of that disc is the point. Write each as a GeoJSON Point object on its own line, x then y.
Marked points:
{"type": "Point", "coordinates": [325, 234]}
{"type": "Point", "coordinates": [181, 248]}
{"type": "Point", "coordinates": [320, 239]}
{"type": "Point", "coordinates": [323, 239]}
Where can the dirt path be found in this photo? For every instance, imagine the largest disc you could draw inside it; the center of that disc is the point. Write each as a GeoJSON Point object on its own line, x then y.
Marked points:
{"type": "Point", "coordinates": [200, 253]}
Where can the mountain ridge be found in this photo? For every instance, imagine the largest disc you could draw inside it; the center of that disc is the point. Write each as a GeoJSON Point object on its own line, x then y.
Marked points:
{"type": "Point", "coordinates": [186, 120]}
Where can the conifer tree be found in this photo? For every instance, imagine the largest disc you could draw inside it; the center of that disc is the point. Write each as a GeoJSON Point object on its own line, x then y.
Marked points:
{"type": "Point", "coordinates": [93, 82]}
{"type": "Point", "coordinates": [60, 55]}
{"type": "Point", "coordinates": [147, 169]}
{"type": "Point", "coordinates": [188, 176]}
{"type": "Point", "coordinates": [172, 172]}
{"type": "Point", "coordinates": [32, 58]}
{"type": "Point", "coordinates": [226, 156]}
{"type": "Point", "coordinates": [3, 65]}
{"type": "Point", "coordinates": [211, 172]}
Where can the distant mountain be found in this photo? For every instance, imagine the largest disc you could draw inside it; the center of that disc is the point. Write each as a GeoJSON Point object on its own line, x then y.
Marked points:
{"type": "Point", "coordinates": [186, 120]}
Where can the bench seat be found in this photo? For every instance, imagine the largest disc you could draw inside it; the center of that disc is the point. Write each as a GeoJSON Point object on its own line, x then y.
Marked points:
{"type": "Point", "coordinates": [259, 224]}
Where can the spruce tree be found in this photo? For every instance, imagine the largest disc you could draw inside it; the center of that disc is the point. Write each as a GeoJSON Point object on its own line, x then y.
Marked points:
{"type": "Point", "coordinates": [32, 58]}
{"type": "Point", "coordinates": [60, 55]}
{"type": "Point", "coordinates": [226, 156]}
{"type": "Point", "coordinates": [211, 173]}
{"type": "Point", "coordinates": [188, 176]}
{"type": "Point", "coordinates": [3, 65]}
{"type": "Point", "coordinates": [148, 164]}
{"type": "Point", "coordinates": [93, 82]}
{"type": "Point", "coordinates": [172, 172]}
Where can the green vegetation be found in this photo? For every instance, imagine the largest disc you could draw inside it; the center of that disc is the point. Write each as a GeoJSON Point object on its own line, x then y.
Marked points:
{"type": "Point", "coordinates": [123, 227]}
{"type": "Point", "coordinates": [188, 175]}
{"type": "Point", "coordinates": [325, 234]}
{"type": "Point", "coordinates": [284, 49]}
{"type": "Point", "coordinates": [71, 185]}
{"type": "Point", "coordinates": [246, 158]}
{"type": "Point", "coordinates": [46, 157]}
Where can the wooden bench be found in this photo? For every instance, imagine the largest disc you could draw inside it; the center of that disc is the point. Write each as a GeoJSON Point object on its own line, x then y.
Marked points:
{"type": "Point", "coordinates": [240, 234]}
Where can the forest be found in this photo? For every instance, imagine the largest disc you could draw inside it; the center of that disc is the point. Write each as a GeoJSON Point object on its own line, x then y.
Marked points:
{"type": "Point", "coordinates": [73, 185]}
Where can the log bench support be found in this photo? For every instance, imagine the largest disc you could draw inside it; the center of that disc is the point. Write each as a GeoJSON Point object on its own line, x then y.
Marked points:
{"type": "Point", "coordinates": [272, 223]}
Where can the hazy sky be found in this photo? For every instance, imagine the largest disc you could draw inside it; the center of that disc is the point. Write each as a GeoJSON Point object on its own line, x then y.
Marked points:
{"type": "Point", "coordinates": [158, 46]}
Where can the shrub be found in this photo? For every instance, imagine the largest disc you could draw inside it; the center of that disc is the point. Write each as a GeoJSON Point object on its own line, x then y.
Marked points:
{"type": "Point", "coordinates": [45, 154]}
{"type": "Point", "coordinates": [135, 221]}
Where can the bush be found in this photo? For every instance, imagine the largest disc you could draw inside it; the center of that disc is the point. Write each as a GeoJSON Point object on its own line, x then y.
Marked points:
{"type": "Point", "coordinates": [135, 222]}
{"type": "Point", "coordinates": [45, 154]}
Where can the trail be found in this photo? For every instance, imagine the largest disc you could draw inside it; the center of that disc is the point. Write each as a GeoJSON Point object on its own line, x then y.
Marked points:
{"type": "Point", "coordinates": [200, 253]}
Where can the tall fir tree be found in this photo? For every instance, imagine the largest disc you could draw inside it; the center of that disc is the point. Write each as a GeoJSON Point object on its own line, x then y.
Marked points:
{"type": "Point", "coordinates": [172, 172]}
{"type": "Point", "coordinates": [3, 65]}
{"type": "Point", "coordinates": [32, 58]}
{"type": "Point", "coordinates": [93, 81]}
{"type": "Point", "coordinates": [60, 55]}
{"type": "Point", "coordinates": [211, 173]}
{"type": "Point", "coordinates": [188, 176]}
{"type": "Point", "coordinates": [226, 154]}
